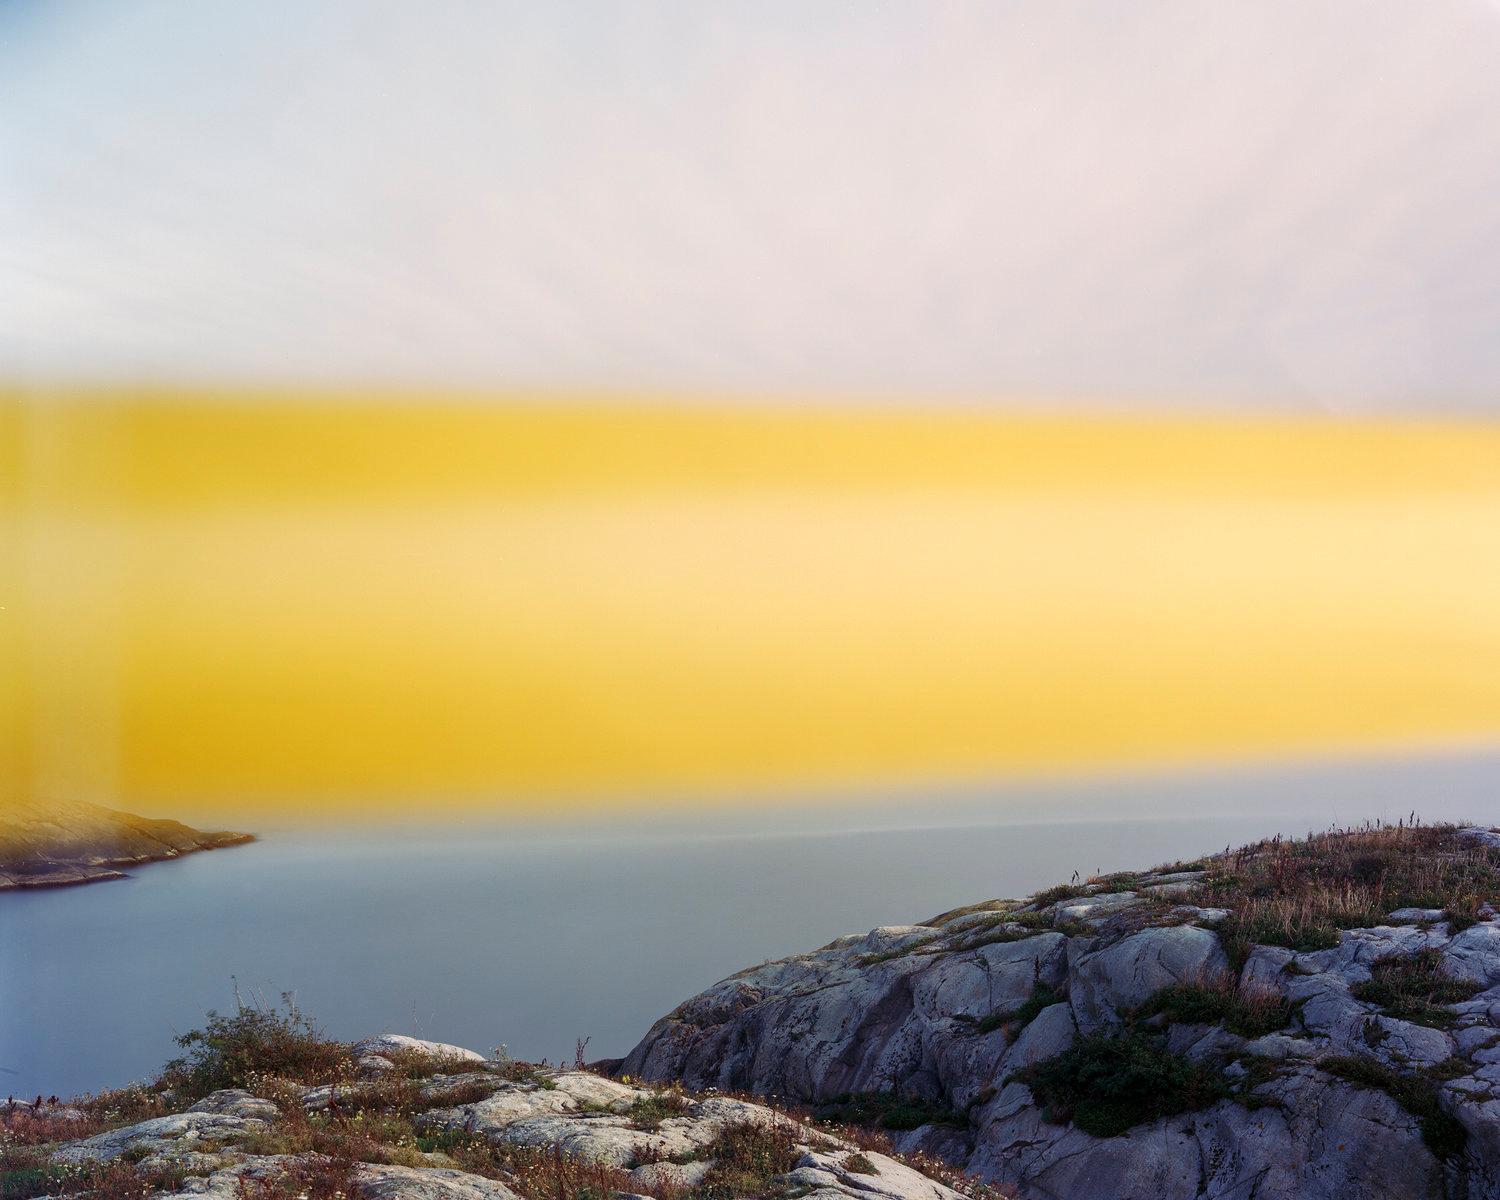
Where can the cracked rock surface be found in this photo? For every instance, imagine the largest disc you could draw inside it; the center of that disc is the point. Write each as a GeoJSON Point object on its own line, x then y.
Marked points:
{"type": "Point", "coordinates": [583, 1116]}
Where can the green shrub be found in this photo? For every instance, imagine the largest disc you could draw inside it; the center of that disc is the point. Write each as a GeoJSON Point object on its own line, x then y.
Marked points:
{"type": "Point", "coordinates": [650, 1111]}
{"type": "Point", "coordinates": [255, 1041]}
{"type": "Point", "coordinates": [1445, 1135]}
{"type": "Point", "coordinates": [1106, 1085]}
{"type": "Point", "coordinates": [887, 1110]}
{"type": "Point", "coordinates": [1413, 988]}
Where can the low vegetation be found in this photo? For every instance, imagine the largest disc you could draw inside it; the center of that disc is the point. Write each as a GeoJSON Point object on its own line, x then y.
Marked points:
{"type": "Point", "coordinates": [305, 1179]}
{"type": "Point", "coordinates": [1221, 999]}
{"type": "Point", "coordinates": [651, 1111]}
{"type": "Point", "coordinates": [1415, 1092]}
{"type": "Point", "coordinates": [746, 1158]}
{"type": "Point", "coordinates": [22, 1178]}
{"type": "Point", "coordinates": [1105, 1085]}
{"type": "Point", "coordinates": [256, 1041]}
{"type": "Point", "coordinates": [1059, 893]}
{"type": "Point", "coordinates": [886, 1110]}
{"type": "Point", "coordinates": [537, 1173]}
{"type": "Point", "coordinates": [1302, 892]}
{"type": "Point", "coordinates": [1412, 987]}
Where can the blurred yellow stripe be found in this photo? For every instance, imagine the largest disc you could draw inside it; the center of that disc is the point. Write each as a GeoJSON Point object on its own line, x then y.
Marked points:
{"type": "Point", "coordinates": [305, 599]}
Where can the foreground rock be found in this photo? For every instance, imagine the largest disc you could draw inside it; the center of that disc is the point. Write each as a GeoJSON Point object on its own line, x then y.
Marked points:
{"type": "Point", "coordinates": [71, 842]}
{"type": "Point", "coordinates": [1367, 1068]}
{"type": "Point", "coordinates": [549, 1127]}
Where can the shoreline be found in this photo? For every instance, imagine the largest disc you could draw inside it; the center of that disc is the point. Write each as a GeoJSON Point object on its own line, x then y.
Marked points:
{"type": "Point", "coordinates": [75, 844]}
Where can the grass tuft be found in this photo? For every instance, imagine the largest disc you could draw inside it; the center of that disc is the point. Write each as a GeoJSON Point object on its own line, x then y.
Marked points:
{"type": "Point", "coordinates": [1221, 1000]}
{"type": "Point", "coordinates": [1412, 987]}
{"type": "Point", "coordinates": [1302, 893]}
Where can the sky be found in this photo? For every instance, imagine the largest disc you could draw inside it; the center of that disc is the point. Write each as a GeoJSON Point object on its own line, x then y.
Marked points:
{"type": "Point", "coordinates": [532, 405]}
{"type": "Point", "coordinates": [1166, 204]}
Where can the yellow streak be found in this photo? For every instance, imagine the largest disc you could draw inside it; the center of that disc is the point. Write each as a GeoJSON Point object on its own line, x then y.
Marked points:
{"type": "Point", "coordinates": [312, 601]}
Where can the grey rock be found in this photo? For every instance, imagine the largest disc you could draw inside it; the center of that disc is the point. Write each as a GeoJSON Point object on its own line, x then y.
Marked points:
{"type": "Point", "coordinates": [1403, 1043]}
{"type": "Point", "coordinates": [1404, 915]}
{"type": "Point", "coordinates": [1175, 877]}
{"type": "Point", "coordinates": [236, 1102]}
{"type": "Point", "coordinates": [375, 1181]}
{"type": "Point", "coordinates": [1049, 1033]}
{"type": "Point", "coordinates": [1474, 955]}
{"type": "Point", "coordinates": [588, 1116]}
{"type": "Point", "coordinates": [889, 1178]}
{"type": "Point", "coordinates": [1096, 906]}
{"type": "Point", "coordinates": [395, 1043]}
{"type": "Point", "coordinates": [654, 1177]}
{"type": "Point", "coordinates": [1122, 976]}
{"type": "Point", "coordinates": [1164, 890]}
{"type": "Point", "coordinates": [1477, 1039]}
{"type": "Point", "coordinates": [1279, 1046]}
{"type": "Point", "coordinates": [191, 1162]}
{"type": "Point", "coordinates": [1485, 837]}
{"type": "Point", "coordinates": [382, 1182]}
{"type": "Point", "coordinates": [160, 1135]}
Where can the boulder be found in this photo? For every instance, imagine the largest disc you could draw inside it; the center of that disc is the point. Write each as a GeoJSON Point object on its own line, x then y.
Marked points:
{"type": "Point", "coordinates": [395, 1043]}
{"type": "Point", "coordinates": [160, 1135]}
{"type": "Point", "coordinates": [1106, 983]}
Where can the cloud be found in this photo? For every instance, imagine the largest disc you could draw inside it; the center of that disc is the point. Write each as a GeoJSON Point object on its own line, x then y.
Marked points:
{"type": "Point", "coordinates": [1282, 204]}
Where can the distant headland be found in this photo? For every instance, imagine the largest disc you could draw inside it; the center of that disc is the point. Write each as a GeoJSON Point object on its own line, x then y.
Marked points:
{"type": "Point", "coordinates": [55, 844]}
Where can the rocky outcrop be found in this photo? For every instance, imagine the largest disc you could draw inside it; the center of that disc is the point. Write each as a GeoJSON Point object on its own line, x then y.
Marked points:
{"type": "Point", "coordinates": [1338, 1096]}
{"type": "Point", "coordinates": [61, 843]}
{"type": "Point", "coordinates": [650, 1143]}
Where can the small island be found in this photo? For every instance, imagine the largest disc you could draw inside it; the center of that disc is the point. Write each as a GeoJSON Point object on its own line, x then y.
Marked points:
{"type": "Point", "coordinates": [56, 844]}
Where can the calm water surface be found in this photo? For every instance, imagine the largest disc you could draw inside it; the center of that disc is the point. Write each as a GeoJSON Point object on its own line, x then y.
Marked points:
{"type": "Point", "coordinates": [489, 936]}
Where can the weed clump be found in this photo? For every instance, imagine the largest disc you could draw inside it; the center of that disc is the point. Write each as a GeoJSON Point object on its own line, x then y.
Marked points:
{"type": "Point", "coordinates": [256, 1040]}
{"type": "Point", "coordinates": [306, 1179]}
{"type": "Point", "coordinates": [650, 1111]}
{"type": "Point", "coordinates": [1248, 1012]}
{"type": "Point", "coordinates": [1413, 988]}
{"type": "Point", "coordinates": [747, 1158]}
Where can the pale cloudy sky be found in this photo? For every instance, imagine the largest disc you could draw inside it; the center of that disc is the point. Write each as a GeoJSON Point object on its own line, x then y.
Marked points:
{"type": "Point", "coordinates": [1267, 202]}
